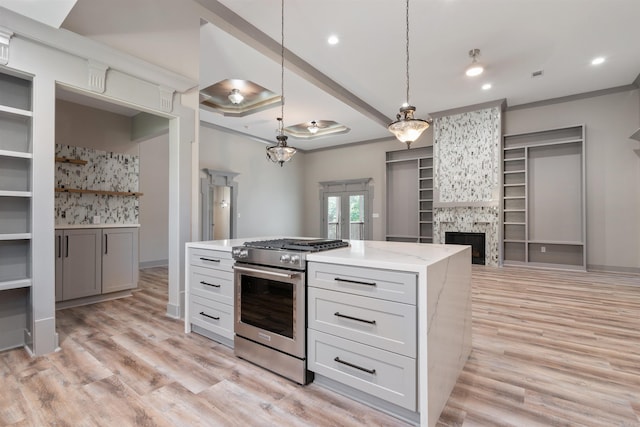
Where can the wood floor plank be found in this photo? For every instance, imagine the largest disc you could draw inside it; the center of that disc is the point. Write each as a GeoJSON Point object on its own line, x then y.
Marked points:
{"type": "Point", "coordinates": [550, 348]}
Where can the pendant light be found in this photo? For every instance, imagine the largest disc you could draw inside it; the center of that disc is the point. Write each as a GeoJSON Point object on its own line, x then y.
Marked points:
{"type": "Point", "coordinates": [475, 68]}
{"type": "Point", "coordinates": [281, 152]}
{"type": "Point", "coordinates": [406, 127]}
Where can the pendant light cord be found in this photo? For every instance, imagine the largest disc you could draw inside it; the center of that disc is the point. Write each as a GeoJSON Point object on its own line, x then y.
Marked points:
{"type": "Point", "coordinates": [282, 68]}
{"type": "Point", "coordinates": [407, 52]}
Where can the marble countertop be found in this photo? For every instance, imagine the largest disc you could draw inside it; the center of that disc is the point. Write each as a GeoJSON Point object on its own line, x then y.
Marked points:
{"type": "Point", "coordinates": [79, 226]}
{"type": "Point", "coordinates": [362, 253]}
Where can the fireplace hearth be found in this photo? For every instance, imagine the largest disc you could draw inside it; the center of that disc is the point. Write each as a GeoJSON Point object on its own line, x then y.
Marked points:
{"type": "Point", "coordinates": [475, 240]}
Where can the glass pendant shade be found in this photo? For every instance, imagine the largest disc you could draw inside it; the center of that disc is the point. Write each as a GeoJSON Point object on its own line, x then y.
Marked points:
{"type": "Point", "coordinates": [280, 152]}
{"type": "Point", "coordinates": [407, 128]}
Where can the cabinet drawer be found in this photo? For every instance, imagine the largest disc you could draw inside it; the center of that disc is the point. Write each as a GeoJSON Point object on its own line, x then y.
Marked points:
{"type": "Point", "coordinates": [372, 282]}
{"type": "Point", "coordinates": [380, 373]}
{"type": "Point", "coordinates": [384, 324]}
{"type": "Point", "coordinates": [212, 315]}
{"type": "Point", "coordinates": [212, 284]}
{"type": "Point", "coordinates": [207, 258]}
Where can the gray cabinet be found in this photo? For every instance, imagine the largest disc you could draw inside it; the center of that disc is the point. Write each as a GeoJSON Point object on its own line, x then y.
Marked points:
{"type": "Point", "coordinates": [79, 257]}
{"type": "Point", "coordinates": [119, 259]}
{"type": "Point", "coordinates": [410, 195]}
{"type": "Point", "coordinates": [94, 261]}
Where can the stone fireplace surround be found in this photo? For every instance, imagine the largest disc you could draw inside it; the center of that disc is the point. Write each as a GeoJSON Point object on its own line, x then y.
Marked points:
{"type": "Point", "coordinates": [466, 196]}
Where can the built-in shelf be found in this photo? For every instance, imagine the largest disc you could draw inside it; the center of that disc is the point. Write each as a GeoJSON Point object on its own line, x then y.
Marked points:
{"type": "Point", "coordinates": [72, 161]}
{"type": "Point", "coordinates": [15, 284]}
{"type": "Point", "coordinates": [16, 154]}
{"type": "Point", "coordinates": [15, 236]}
{"type": "Point", "coordinates": [4, 109]}
{"type": "Point", "coordinates": [99, 192]}
{"type": "Point", "coordinates": [6, 193]}
{"type": "Point", "coordinates": [533, 202]}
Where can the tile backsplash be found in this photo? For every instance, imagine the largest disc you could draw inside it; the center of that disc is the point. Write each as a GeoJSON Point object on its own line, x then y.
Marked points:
{"type": "Point", "coordinates": [104, 171]}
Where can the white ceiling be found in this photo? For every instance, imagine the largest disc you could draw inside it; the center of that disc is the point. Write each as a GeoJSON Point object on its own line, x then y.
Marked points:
{"type": "Point", "coordinates": [516, 38]}
{"type": "Point", "coordinates": [361, 81]}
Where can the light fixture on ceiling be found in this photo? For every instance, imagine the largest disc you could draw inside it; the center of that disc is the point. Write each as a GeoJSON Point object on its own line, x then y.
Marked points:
{"type": "Point", "coordinates": [407, 128]}
{"type": "Point", "coordinates": [313, 128]}
{"type": "Point", "coordinates": [333, 40]}
{"type": "Point", "coordinates": [475, 68]}
{"type": "Point", "coordinates": [281, 152]}
{"type": "Point", "coordinates": [235, 96]}
{"type": "Point", "coordinates": [597, 61]}
{"type": "Point", "coordinates": [486, 86]}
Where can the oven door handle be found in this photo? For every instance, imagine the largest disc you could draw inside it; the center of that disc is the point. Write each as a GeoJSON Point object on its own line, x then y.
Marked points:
{"type": "Point", "coordinates": [267, 272]}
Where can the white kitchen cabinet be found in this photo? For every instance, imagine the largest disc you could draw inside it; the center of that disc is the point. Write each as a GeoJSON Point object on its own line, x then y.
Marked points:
{"type": "Point", "coordinates": [119, 259]}
{"type": "Point", "coordinates": [209, 294]}
{"type": "Point", "coordinates": [363, 330]}
{"type": "Point", "coordinates": [80, 261]}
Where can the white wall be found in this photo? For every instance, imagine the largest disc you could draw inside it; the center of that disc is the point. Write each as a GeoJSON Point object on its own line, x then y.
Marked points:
{"type": "Point", "coordinates": [352, 162]}
{"type": "Point", "coordinates": [154, 204]}
{"type": "Point", "coordinates": [612, 168]}
{"type": "Point", "coordinates": [269, 196]}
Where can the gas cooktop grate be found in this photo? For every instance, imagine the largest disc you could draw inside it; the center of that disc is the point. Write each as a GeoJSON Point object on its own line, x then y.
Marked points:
{"type": "Point", "coordinates": [306, 245]}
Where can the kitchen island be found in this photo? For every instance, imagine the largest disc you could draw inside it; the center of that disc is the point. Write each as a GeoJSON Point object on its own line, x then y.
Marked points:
{"type": "Point", "coordinates": [407, 334]}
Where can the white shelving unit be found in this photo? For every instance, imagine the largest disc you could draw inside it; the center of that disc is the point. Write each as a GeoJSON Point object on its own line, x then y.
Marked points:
{"type": "Point", "coordinates": [410, 195]}
{"type": "Point", "coordinates": [543, 199]}
{"type": "Point", "coordinates": [15, 208]}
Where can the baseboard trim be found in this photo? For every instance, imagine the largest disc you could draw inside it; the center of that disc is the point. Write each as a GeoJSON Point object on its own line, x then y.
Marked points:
{"type": "Point", "coordinates": [156, 263]}
{"type": "Point", "coordinates": [612, 269]}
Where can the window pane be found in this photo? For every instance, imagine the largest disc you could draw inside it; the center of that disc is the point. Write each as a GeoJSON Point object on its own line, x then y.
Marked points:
{"type": "Point", "coordinates": [333, 217]}
{"type": "Point", "coordinates": [356, 217]}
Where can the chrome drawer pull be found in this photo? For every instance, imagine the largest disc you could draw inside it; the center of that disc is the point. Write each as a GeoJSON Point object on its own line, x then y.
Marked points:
{"type": "Point", "coordinates": [209, 259]}
{"type": "Point", "coordinates": [202, 313]}
{"type": "Point", "coordinates": [202, 282]}
{"type": "Point", "coordinates": [371, 322]}
{"type": "Point", "coordinates": [351, 365]}
{"type": "Point", "coordinates": [357, 282]}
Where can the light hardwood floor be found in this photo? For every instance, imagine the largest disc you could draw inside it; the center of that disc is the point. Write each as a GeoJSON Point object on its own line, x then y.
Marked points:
{"type": "Point", "coordinates": [549, 349]}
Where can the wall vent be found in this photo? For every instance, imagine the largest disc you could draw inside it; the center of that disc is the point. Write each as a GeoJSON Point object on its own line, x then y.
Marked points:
{"type": "Point", "coordinates": [538, 73]}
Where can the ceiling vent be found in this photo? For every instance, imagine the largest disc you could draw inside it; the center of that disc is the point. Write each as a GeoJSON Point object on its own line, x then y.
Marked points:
{"type": "Point", "coordinates": [537, 74]}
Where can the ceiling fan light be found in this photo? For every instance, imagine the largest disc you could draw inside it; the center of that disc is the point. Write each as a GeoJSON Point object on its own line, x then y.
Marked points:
{"type": "Point", "coordinates": [313, 128]}
{"type": "Point", "coordinates": [475, 68]}
{"type": "Point", "coordinates": [235, 96]}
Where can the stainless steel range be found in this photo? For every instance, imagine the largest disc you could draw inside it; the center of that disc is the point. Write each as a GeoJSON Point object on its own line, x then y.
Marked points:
{"type": "Point", "coordinates": [270, 310]}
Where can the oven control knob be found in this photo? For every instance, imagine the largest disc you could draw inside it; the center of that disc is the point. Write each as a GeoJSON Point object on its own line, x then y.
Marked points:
{"type": "Point", "coordinates": [295, 259]}
{"type": "Point", "coordinates": [235, 252]}
{"type": "Point", "coordinates": [285, 258]}
{"type": "Point", "coordinates": [243, 253]}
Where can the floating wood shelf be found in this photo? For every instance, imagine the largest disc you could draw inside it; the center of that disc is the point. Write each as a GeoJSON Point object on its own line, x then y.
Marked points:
{"type": "Point", "coordinates": [99, 192]}
{"type": "Point", "coordinates": [72, 161]}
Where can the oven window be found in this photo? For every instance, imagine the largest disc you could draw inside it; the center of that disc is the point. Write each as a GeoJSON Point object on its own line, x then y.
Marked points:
{"type": "Point", "coordinates": [267, 304]}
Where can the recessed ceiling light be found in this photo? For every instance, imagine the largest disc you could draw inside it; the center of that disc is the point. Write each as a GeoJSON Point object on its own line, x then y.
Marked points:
{"type": "Point", "coordinates": [486, 86]}
{"type": "Point", "coordinates": [333, 39]}
{"type": "Point", "coordinates": [597, 61]}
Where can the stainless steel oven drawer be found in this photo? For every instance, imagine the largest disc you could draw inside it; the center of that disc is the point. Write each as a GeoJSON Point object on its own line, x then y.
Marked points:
{"type": "Point", "coordinates": [208, 258]}
{"type": "Point", "coordinates": [212, 315]}
{"type": "Point", "coordinates": [380, 373]}
{"type": "Point", "coordinates": [384, 324]}
{"type": "Point", "coordinates": [212, 284]}
{"type": "Point", "coordinates": [384, 284]}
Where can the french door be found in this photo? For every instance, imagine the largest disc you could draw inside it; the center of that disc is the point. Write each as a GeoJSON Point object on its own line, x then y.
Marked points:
{"type": "Point", "coordinates": [345, 215]}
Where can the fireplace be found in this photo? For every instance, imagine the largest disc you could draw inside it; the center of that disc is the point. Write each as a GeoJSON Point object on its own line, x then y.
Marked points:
{"type": "Point", "coordinates": [475, 240]}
